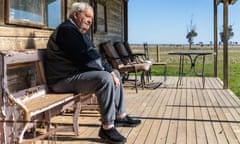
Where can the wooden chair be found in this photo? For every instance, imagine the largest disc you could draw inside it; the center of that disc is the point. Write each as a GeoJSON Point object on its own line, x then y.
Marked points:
{"type": "Point", "coordinates": [146, 57]}
{"type": "Point", "coordinates": [132, 54]}
{"type": "Point", "coordinates": [127, 54]}
{"type": "Point", "coordinates": [164, 64]}
{"type": "Point", "coordinates": [129, 57]}
{"type": "Point", "coordinates": [114, 59]}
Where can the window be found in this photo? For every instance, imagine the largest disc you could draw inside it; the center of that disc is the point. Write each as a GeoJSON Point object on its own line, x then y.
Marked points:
{"type": "Point", "coordinates": [37, 13]}
{"type": "Point", "coordinates": [100, 17]}
{"type": "Point", "coordinates": [53, 13]}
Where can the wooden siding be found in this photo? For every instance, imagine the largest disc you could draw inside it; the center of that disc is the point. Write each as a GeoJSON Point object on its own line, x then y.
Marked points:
{"type": "Point", "coordinates": [115, 21]}
{"type": "Point", "coordinates": [1, 12]}
{"type": "Point", "coordinates": [15, 37]}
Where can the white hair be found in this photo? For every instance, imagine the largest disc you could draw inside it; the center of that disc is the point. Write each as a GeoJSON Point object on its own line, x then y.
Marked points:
{"type": "Point", "coordinates": [79, 6]}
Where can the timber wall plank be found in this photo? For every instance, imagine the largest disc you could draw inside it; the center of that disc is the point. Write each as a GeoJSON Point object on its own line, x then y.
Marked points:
{"type": "Point", "coordinates": [2, 12]}
{"type": "Point", "coordinates": [14, 37]}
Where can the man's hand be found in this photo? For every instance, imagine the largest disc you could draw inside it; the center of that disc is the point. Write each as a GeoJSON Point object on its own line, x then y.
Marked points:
{"type": "Point", "coordinates": [115, 79]}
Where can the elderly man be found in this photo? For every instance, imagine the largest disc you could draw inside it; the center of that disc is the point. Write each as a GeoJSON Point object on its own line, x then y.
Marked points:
{"type": "Point", "coordinates": [74, 65]}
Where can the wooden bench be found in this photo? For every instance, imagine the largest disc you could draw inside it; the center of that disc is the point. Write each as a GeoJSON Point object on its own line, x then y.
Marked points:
{"type": "Point", "coordinates": [26, 99]}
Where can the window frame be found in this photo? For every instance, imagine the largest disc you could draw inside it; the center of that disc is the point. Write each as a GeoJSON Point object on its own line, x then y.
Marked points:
{"type": "Point", "coordinates": [97, 16]}
{"type": "Point", "coordinates": [42, 24]}
{"type": "Point", "coordinates": [63, 13]}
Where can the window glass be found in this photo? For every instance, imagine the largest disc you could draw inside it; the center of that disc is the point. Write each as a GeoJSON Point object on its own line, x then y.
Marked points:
{"type": "Point", "coordinates": [100, 23]}
{"type": "Point", "coordinates": [27, 11]}
{"type": "Point", "coordinates": [100, 18]}
{"type": "Point", "coordinates": [53, 13]}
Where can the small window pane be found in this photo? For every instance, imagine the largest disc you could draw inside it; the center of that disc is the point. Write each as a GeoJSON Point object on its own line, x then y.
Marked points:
{"type": "Point", "coordinates": [53, 13]}
{"type": "Point", "coordinates": [26, 11]}
{"type": "Point", "coordinates": [100, 18]}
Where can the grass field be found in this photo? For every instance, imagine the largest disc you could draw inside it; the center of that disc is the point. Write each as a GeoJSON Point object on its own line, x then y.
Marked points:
{"type": "Point", "coordinates": [173, 62]}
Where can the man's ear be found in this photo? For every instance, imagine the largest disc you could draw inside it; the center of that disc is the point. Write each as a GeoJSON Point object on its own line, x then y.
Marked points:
{"type": "Point", "coordinates": [75, 15]}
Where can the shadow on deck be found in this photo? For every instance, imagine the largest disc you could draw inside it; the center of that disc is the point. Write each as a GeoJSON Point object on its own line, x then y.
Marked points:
{"type": "Point", "coordinates": [187, 114]}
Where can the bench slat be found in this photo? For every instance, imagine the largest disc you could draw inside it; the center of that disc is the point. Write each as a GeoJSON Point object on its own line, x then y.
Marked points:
{"type": "Point", "coordinates": [45, 102]}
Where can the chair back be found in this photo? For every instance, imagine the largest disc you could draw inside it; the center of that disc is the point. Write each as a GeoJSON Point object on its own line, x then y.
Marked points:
{"type": "Point", "coordinates": [127, 46]}
{"type": "Point", "coordinates": [111, 54]}
{"type": "Point", "coordinates": [125, 56]}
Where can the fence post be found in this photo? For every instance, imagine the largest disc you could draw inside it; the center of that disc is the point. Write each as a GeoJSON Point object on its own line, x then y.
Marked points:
{"type": "Point", "coordinates": [158, 56]}
{"type": "Point", "coordinates": [146, 50]}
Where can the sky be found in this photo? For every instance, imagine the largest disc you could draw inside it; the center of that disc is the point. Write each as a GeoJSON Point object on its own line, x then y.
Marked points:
{"type": "Point", "coordinates": [168, 21]}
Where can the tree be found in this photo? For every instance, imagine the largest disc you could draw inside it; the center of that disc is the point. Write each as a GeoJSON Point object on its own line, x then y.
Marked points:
{"type": "Point", "coordinates": [230, 29]}
{"type": "Point", "coordinates": [230, 33]}
{"type": "Point", "coordinates": [191, 34]}
{"type": "Point", "coordinates": [230, 1]}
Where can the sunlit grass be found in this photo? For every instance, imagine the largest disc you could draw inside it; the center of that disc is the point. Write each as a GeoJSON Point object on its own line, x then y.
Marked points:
{"type": "Point", "coordinates": [173, 62]}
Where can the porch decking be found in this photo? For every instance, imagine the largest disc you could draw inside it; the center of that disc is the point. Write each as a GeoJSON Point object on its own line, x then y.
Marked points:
{"type": "Point", "coordinates": [186, 115]}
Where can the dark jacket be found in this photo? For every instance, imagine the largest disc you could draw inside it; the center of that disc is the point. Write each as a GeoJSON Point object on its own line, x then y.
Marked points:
{"type": "Point", "coordinates": [70, 52]}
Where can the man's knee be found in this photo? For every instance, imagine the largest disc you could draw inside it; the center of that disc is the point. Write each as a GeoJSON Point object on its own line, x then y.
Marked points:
{"type": "Point", "coordinates": [105, 77]}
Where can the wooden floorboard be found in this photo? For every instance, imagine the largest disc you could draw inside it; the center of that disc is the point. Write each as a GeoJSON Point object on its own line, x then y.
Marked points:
{"type": "Point", "coordinates": [170, 114]}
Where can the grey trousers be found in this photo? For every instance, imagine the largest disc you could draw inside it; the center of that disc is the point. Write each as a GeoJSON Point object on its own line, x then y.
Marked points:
{"type": "Point", "coordinates": [110, 98]}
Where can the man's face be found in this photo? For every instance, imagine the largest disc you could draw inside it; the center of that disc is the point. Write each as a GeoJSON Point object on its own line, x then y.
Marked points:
{"type": "Point", "coordinates": [84, 19]}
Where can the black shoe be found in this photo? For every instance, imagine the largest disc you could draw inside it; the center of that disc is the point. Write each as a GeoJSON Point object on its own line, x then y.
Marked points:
{"type": "Point", "coordinates": [127, 122]}
{"type": "Point", "coordinates": [112, 136]}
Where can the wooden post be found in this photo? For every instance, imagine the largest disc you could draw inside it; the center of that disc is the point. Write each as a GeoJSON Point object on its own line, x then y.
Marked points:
{"type": "Point", "coordinates": [125, 20]}
{"type": "Point", "coordinates": [225, 44]}
{"type": "Point", "coordinates": [215, 39]}
{"type": "Point", "coordinates": [158, 54]}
